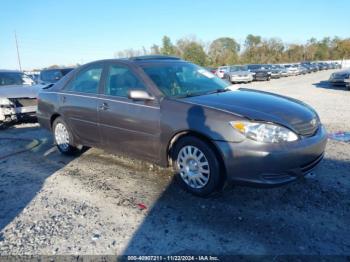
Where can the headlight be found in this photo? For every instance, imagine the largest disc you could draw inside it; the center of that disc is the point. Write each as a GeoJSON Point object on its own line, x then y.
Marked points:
{"type": "Point", "coordinates": [5, 101]}
{"type": "Point", "coordinates": [263, 132]}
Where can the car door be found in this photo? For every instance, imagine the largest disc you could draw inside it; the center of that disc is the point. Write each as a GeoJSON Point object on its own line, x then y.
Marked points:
{"type": "Point", "coordinates": [126, 125]}
{"type": "Point", "coordinates": [78, 104]}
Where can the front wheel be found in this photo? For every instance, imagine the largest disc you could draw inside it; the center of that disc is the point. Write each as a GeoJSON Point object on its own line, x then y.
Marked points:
{"type": "Point", "coordinates": [197, 165]}
{"type": "Point", "coordinates": [63, 137]}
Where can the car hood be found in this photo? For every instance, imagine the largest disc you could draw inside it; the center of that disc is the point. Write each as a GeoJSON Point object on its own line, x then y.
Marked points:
{"type": "Point", "coordinates": [18, 91]}
{"type": "Point", "coordinates": [259, 106]}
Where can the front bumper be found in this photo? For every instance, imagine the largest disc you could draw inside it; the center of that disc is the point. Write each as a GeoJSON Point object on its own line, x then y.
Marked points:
{"type": "Point", "coordinates": [250, 162]}
{"type": "Point", "coordinates": [8, 114]}
{"type": "Point", "coordinates": [261, 77]}
{"type": "Point", "coordinates": [239, 79]}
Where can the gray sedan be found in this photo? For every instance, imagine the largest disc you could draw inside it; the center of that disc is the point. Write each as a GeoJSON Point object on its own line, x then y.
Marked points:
{"type": "Point", "coordinates": [178, 114]}
{"type": "Point", "coordinates": [238, 74]}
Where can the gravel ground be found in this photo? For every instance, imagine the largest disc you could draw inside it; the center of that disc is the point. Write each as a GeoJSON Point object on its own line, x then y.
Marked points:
{"type": "Point", "coordinates": [98, 203]}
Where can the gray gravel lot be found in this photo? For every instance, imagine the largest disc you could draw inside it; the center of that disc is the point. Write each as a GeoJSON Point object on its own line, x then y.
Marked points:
{"type": "Point", "coordinates": [90, 204]}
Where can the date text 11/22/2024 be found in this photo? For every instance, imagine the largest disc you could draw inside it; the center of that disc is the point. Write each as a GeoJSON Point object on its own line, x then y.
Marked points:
{"type": "Point", "coordinates": [173, 258]}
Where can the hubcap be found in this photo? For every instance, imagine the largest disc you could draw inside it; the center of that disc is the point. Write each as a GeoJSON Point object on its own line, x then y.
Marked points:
{"type": "Point", "coordinates": [62, 136]}
{"type": "Point", "coordinates": [193, 167]}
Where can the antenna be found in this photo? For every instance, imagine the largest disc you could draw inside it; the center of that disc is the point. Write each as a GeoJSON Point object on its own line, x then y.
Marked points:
{"type": "Point", "coordinates": [18, 57]}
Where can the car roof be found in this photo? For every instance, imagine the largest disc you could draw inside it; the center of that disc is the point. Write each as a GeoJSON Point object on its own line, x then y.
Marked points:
{"type": "Point", "coordinates": [9, 71]}
{"type": "Point", "coordinates": [60, 68]}
{"type": "Point", "coordinates": [142, 60]}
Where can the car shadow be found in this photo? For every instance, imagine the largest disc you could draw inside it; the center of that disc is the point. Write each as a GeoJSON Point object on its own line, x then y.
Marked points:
{"type": "Point", "coordinates": [304, 217]}
{"type": "Point", "coordinates": [328, 85]}
{"type": "Point", "coordinates": [299, 218]}
{"type": "Point", "coordinates": [27, 159]}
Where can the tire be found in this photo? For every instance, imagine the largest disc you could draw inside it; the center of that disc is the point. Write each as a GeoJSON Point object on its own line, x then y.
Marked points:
{"type": "Point", "coordinates": [212, 178]}
{"type": "Point", "coordinates": [68, 148]}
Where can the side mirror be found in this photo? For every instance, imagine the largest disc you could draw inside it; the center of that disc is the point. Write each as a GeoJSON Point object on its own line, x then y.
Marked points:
{"type": "Point", "coordinates": [140, 95]}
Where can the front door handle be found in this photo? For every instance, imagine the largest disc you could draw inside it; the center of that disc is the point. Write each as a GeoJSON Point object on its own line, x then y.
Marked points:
{"type": "Point", "coordinates": [104, 106]}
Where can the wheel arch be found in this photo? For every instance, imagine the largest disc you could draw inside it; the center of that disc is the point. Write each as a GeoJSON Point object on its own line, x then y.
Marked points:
{"type": "Point", "coordinates": [53, 118]}
{"type": "Point", "coordinates": [185, 133]}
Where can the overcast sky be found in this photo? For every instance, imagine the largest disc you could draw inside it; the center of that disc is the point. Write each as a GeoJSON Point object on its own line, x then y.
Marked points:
{"type": "Point", "coordinates": [79, 31]}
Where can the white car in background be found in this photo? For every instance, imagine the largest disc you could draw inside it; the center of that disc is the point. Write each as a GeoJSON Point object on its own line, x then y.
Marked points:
{"type": "Point", "coordinates": [292, 70]}
{"type": "Point", "coordinates": [238, 74]}
{"type": "Point", "coordinates": [220, 72]}
{"type": "Point", "coordinates": [18, 96]}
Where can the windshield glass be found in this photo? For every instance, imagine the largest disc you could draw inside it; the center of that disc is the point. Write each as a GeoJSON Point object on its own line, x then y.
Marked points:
{"type": "Point", "coordinates": [12, 78]}
{"type": "Point", "coordinates": [184, 79]}
{"type": "Point", "coordinates": [238, 68]}
{"type": "Point", "coordinates": [253, 67]}
{"type": "Point", "coordinates": [52, 76]}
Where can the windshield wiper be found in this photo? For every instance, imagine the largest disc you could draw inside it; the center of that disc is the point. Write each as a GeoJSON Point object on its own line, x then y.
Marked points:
{"type": "Point", "coordinates": [219, 90]}
{"type": "Point", "coordinates": [190, 94]}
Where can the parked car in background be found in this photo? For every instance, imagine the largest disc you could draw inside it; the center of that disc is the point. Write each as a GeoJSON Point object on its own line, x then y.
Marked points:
{"type": "Point", "coordinates": [172, 112]}
{"type": "Point", "coordinates": [283, 71]}
{"type": "Point", "coordinates": [220, 72]}
{"type": "Point", "coordinates": [259, 73]}
{"type": "Point", "coordinates": [322, 66]}
{"type": "Point", "coordinates": [12, 77]}
{"type": "Point", "coordinates": [18, 96]}
{"type": "Point", "coordinates": [292, 69]}
{"type": "Point", "coordinates": [337, 65]}
{"type": "Point", "coordinates": [275, 71]}
{"type": "Point", "coordinates": [303, 70]}
{"type": "Point", "coordinates": [341, 78]}
{"type": "Point", "coordinates": [51, 76]}
{"type": "Point", "coordinates": [211, 69]}
{"type": "Point", "coordinates": [310, 67]}
{"type": "Point", "coordinates": [238, 74]}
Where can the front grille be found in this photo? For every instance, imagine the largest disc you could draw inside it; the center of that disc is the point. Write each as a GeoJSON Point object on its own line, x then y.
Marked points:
{"type": "Point", "coordinates": [24, 102]}
{"type": "Point", "coordinates": [306, 128]}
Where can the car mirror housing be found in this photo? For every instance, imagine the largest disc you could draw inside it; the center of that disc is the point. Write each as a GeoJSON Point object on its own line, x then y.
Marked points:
{"type": "Point", "coordinates": [140, 95]}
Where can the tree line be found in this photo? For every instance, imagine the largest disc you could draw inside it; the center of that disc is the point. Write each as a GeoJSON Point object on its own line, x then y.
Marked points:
{"type": "Point", "coordinates": [227, 51]}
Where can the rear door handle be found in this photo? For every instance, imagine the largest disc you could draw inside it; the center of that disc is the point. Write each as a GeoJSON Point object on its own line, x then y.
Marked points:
{"type": "Point", "coordinates": [104, 106]}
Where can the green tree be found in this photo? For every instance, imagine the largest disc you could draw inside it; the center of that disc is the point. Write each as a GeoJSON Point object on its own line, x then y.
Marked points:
{"type": "Point", "coordinates": [194, 52]}
{"type": "Point", "coordinates": [224, 51]}
{"type": "Point", "coordinates": [294, 53]}
{"type": "Point", "coordinates": [251, 46]}
{"type": "Point", "coordinates": [167, 47]}
{"type": "Point", "coordinates": [342, 48]}
{"type": "Point", "coordinates": [155, 50]}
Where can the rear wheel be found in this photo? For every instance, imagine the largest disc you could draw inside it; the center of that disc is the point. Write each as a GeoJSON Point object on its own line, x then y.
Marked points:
{"type": "Point", "coordinates": [197, 166]}
{"type": "Point", "coordinates": [63, 137]}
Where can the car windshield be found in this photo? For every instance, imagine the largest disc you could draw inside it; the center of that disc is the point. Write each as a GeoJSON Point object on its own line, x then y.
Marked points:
{"type": "Point", "coordinates": [52, 76]}
{"type": "Point", "coordinates": [238, 68]}
{"type": "Point", "coordinates": [254, 67]}
{"type": "Point", "coordinates": [12, 78]}
{"type": "Point", "coordinates": [184, 79]}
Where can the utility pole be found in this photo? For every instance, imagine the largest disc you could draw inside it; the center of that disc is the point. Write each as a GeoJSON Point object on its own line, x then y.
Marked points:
{"type": "Point", "coordinates": [18, 57]}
